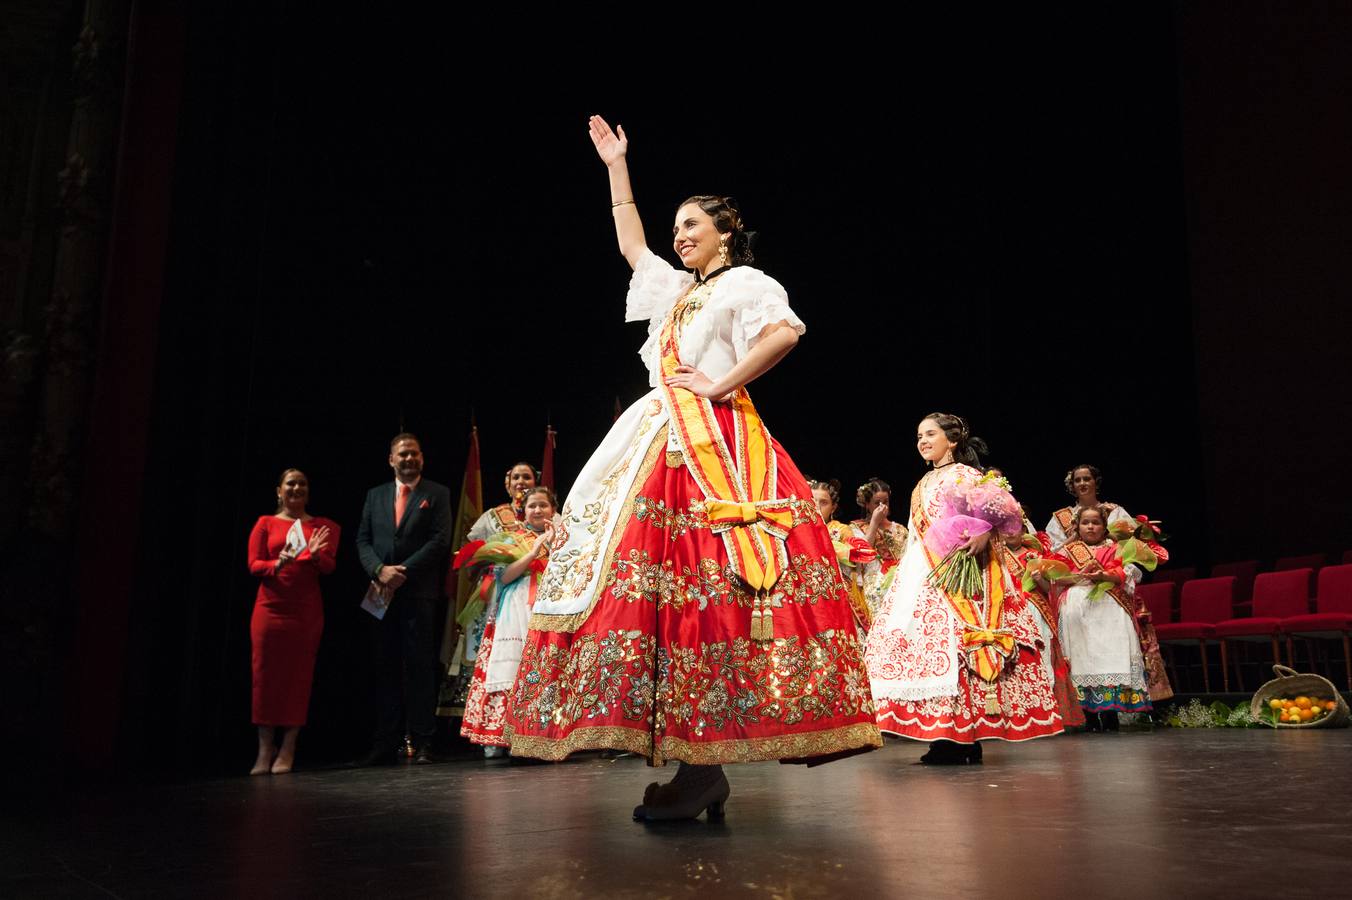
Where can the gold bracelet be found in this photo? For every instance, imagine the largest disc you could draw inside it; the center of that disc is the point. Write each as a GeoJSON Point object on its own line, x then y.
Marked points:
{"type": "Point", "coordinates": [620, 203]}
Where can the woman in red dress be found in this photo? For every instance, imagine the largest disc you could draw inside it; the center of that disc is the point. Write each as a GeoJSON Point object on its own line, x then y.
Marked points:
{"type": "Point", "coordinates": [288, 551]}
{"type": "Point", "coordinates": [692, 608]}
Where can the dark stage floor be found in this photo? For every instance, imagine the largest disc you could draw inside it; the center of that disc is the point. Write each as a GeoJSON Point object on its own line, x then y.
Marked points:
{"type": "Point", "coordinates": [1171, 813]}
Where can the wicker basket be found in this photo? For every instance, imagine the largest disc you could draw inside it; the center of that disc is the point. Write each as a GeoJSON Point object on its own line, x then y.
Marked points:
{"type": "Point", "coordinates": [1290, 683]}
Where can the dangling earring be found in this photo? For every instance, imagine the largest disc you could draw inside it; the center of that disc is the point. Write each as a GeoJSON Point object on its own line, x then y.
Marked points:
{"type": "Point", "coordinates": [723, 251]}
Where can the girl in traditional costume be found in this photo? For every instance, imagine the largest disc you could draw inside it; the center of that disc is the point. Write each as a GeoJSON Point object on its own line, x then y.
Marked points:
{"type": "Point", "coordinates": [1019, 555]}
{"type": "Point", "coordinates": [692, 608]}
{"type": "Point", "coordinates": [852, 552]}
{"type": "Point", "coordinates": [1099, 631]}
{"type": "Point", "coordinates": [953, 653]}
{"type": "Point", "coordinates": [1083, 483]}
{"type": "Point", "coordinates": [887, 538]}
{"type": "Point", "coordinates": [464, 630]}
{"type": "Point", "coordinates": [514, 561]}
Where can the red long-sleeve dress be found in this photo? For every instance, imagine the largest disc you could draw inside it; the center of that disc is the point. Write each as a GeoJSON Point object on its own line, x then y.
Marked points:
{"type": "Point", "coordinates": [288, 619]}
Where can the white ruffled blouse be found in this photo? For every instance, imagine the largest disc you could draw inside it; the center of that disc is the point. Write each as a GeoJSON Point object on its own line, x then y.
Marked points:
{"type": "Point", "coordinates": [743, 301]}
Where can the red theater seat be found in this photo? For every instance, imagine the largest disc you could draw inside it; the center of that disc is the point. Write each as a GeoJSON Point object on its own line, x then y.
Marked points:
{"type": "Point", "coordinates": [1203, 603]}
{"type": "Point", "coordinates": [1312, 561]}
{"type": "Point", "coordinates": [1332, 618]}
{"type": "Point", "coordinates": [1159, 599]}
{"type": "Point", "coordinates": [1276, 595]}
{"type": "Point", "coordinates": [1244, 574]}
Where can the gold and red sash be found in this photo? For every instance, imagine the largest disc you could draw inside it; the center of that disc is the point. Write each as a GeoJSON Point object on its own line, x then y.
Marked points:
{"type": "Point", "coordinates": [1065, 516]}
{"type": "Point", "coordinates": [985, 645]}
{"type": "Point", "coordinates": [1079, 553]}
{"type": "Point", "coordinates": [506, 518]}
{"type": "Point", "coordinates": [738, 483]}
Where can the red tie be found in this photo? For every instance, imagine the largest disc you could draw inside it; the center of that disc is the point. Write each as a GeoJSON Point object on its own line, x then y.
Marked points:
{"type": "Point", "coordinates": [401, 503]}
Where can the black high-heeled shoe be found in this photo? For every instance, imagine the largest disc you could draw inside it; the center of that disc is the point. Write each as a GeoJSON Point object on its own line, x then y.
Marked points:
{"type": "Point", "coordinates": [686, 796]}
{"type": "Point", "coordinates": [951, 753]}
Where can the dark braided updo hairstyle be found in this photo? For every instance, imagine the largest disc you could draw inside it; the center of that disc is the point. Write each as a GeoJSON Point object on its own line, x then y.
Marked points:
{"type": "Point", "coordinates": [1094, 473]}
{"type": "Point", "coordinates": [967, 448]}
{"type": "Point", "coordinates": [831, 487]}
{"type": "Point", "coordinates": [728, 220]}
{"type": "Point", "coordinates": [868, 489]}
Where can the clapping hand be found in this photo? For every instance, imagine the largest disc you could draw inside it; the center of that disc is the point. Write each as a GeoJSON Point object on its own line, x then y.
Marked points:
{"type": "Point", "coordinates": [319, 540]}
{"type": "Point", "coordinates": [609, 147]}
{"type": "Point", "coordinates": [543, 542]}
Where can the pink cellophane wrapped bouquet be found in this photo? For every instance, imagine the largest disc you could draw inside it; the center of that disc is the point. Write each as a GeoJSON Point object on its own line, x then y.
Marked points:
{"type": "Point", "coordinates": [967, 509]}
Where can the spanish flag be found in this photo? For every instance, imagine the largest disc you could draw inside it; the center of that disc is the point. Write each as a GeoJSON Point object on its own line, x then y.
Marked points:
{"type": "Point", "coordinates": [458, 587]}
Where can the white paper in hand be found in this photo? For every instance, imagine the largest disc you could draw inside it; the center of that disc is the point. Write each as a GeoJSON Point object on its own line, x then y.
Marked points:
{"type": "Point", "coordinates": [377, 600]}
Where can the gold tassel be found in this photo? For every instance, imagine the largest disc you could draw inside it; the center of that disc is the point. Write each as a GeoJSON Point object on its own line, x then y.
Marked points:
{"type": "Point", "coordinates": [992, 703]}
{"type": "Point", "coordinates": [762, 618]}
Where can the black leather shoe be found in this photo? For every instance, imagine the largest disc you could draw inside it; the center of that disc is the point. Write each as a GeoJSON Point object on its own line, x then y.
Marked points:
{"type": "Point", "coordinates": [376, 758]}
{"type": "Point", "coordinates": [424, 756]}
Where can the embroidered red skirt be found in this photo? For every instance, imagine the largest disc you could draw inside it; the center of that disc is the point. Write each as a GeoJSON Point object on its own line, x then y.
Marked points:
{"type": "Point", "coordinates": [664, 665]}
{"type": "Point", "coordinates": [484, 710]}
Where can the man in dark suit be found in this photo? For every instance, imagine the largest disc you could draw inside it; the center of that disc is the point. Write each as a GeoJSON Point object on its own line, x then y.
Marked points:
{"type": "Point", "coordinates": [402, 542]}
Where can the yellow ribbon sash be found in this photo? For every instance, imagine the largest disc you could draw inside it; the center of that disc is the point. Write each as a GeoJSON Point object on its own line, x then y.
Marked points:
{"type": "Point", "coordinates": [986, 646]}
{"type": "Point", "coordinates": [738, 482]}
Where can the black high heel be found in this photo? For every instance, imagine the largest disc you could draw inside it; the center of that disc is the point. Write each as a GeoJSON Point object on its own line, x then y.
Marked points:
{"type": "Point", "coordinates": [686, 798]}
{"type": "Point", "coordinates": [951, 753]}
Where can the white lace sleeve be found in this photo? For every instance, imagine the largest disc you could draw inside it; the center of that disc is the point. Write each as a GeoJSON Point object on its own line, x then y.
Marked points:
{"type": "Point", "coordinates": [1056, 534]}
{"type": "Point", "coordinates": [758, 300]}
{"type": "Point", "coordinates": [653, 288]}
{"type": "Point", "coordinates": [1118, 514]}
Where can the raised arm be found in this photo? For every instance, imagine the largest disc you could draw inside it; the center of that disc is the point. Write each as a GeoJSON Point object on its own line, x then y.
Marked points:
{"type": "Point", "coordinates": [628, 227]}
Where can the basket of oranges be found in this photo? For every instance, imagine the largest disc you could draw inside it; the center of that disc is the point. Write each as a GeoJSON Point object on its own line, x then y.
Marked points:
{"type": "Point", "coordinates": [1293, 700]}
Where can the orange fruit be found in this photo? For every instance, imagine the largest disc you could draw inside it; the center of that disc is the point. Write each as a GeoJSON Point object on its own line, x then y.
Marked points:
{"type": "Point", "coordinates": [1330, 706]}
{"type": "Point", "coordinates": [1306, 715]}
{"type": "Point", "coordinates": [1285, 716]}
{"type": "Point", "coordinates": [1303, 702]}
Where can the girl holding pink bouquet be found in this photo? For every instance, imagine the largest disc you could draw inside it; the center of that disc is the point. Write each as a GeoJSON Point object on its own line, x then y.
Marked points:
{"type": "Point", "coordinates": [953, 654]}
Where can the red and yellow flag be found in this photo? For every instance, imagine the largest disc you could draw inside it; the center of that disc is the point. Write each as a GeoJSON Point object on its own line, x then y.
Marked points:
{"type": "Point", "coordinates": [458, 587]}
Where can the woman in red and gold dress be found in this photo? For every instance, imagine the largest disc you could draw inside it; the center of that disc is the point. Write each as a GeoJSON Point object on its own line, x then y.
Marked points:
{"type": "Point", "coordinates": [288, 551]}
{"type": "Point", "coordinates": [692, 608]}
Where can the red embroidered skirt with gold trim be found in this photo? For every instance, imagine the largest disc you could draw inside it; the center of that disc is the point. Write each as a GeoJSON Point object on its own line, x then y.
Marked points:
{"type": "Point", "coordinates": [485, 711]}
{"type": "Point", "coordinates": [664, 665]}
